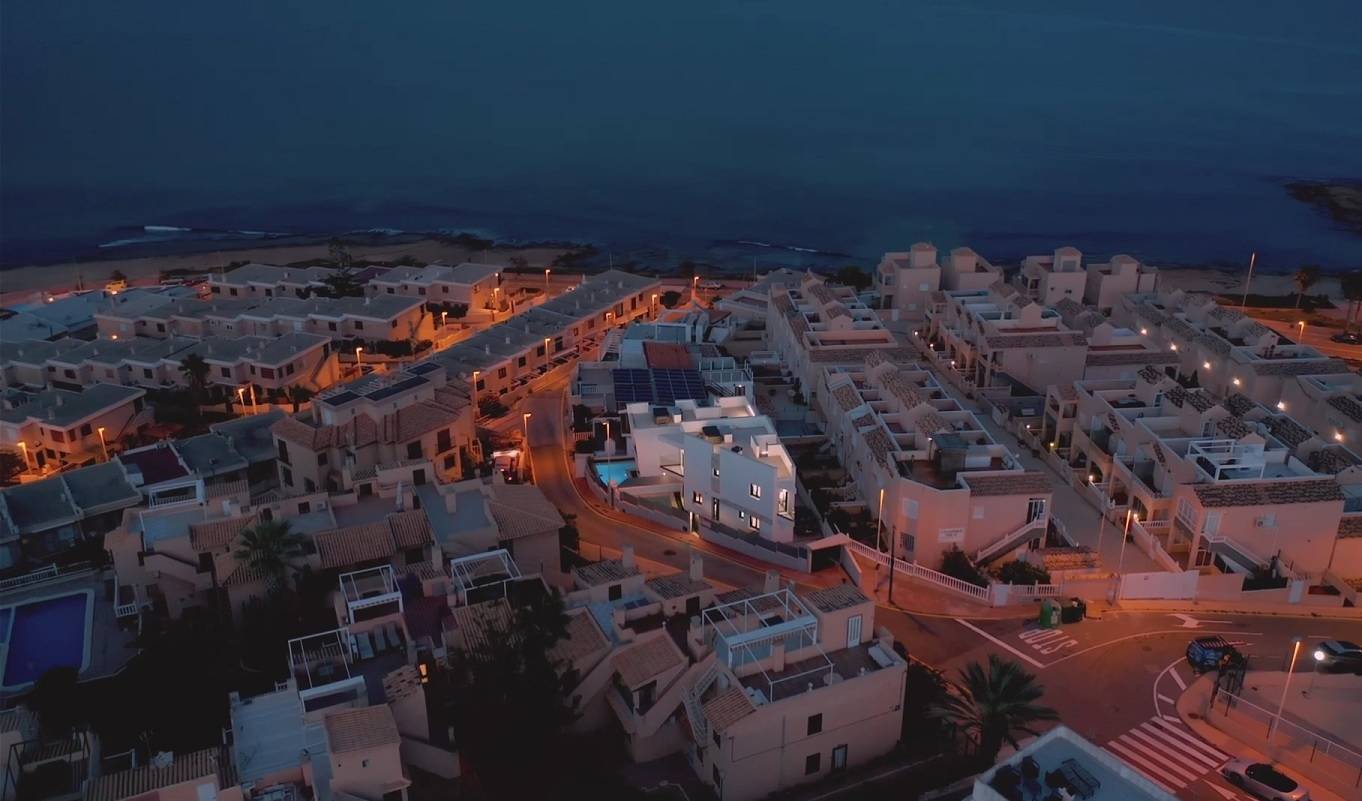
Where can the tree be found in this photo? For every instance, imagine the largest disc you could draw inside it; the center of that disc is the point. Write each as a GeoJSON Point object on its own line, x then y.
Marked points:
{"type": "Point", "coordinates": [1306, 277]}
{"type": "Point", "coordinates": [55, 701]}
{"type": "Point", "coordinates": [298, 395]}
{"type": "Point", "coordinates": [342, 283]}
{"type": "Point", "coordinates": [340, 254]}
{"type": "Point", "coordinates": [516, 698]}
{"type": "Point", "coordinates": [995, 704]}
{"type": "Point", "coordinates": [11, 465]}
{"type": "Point", "coordinates": [670, 298]}
{"type": "Point", "coordinates": [195, 370]}
{"type": "Point", "coordinates": [957, 564]}
{"type": "Point", "coordinates": [491, 406]}
{"type": "Point", "coordinates": [853, 276]}
{"type": "Point", "coordinates": [1351, 283]}
{"type": "Point", "coordinates": [1018, 572]}
{"type": "Point", "coordinates": [268, 546]}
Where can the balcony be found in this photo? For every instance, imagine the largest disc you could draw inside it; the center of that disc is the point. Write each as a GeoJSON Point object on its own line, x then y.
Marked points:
{"type": "Point", "coordinates": [370, 593]}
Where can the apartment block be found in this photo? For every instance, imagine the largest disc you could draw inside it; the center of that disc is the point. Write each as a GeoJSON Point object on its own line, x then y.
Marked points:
{"type": "Point", "coordinates": [502, 360]}
{"type": "Point", "coordinates": [474, 285]}
{"type": "Point", "coordinates": [1226, 351]}
{"type": "Point", "coordinates": [1216, 484]}
{"type": "Point", "coordinates": [361, 427]}
{"type": "Point", "coordinates": [268, 281]}
{"type": "Point", "coordinates": [734, 473]}
{"type": "Point", "coordinates": [54, 429]}
{"type": "Point", "coordinates": [813, 326]}
{"type": "Point", "coordinates": [1329, 403]}
{"type": "Point", "coordinates": [1062, 758]}
{"type": "Point", "coordinates": [801, 687]}
{"type": "Point", "coordinates": [377, 317]}
{"type": "Point", "coordinates": [908, 280]}
{"type": "Point", "coordinates": [945, 482]}
{"type": "Point", "coordinates": [1049, 279]}
{"type": "Point", "coordinates": [1108, 284]}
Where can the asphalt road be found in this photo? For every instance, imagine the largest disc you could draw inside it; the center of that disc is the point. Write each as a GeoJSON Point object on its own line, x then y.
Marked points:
{"type": "Point", "coordinates": [1114, 680]}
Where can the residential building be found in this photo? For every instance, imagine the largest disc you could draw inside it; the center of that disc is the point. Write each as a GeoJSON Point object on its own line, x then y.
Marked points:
{"type": "Point", "coordinates": [55, 428]}
{"type": "Point", "coordinates": [749, 304]}
{"type": "Point", "coordinates": [74, 314]}
{"type": "Point", "coordinates": [656, 363]}
{"type": "Point", "coordinates": [364, 426]}
{"type": "Point", "coordinates": [908, 280]}
{"type": "Point", "coordinates": [734, 473]}
{"type": "Point", "coordinates": [927, 468]}
{"type": "Point", "coordinates": [1211, 484]}
{"type": "Point", "coordinates": [473, 285]}
{"type": "Point", "coordinates": [991, 340]}
{"type": "Point", "coordinates": [1328, 403]}
{"type": "Point", "coordinates": [1225, 351]}
{"type": "Point", "coordinates": [813, 326]}
{"type": "Point", "coordinates": [1049, 279]}
{"type": "Point", "coordinates": [1108, 284]}
{"type": "Point", "coordinates": [1082, 769]}
{"type": "Point", "coordinates": [505, 358]}
{"type": "Point", "coordinates": [801, 687]}
{"type": "Point", "coordinates": [42, 518]}
{"type": "Point", "coordinates": [267, 281]}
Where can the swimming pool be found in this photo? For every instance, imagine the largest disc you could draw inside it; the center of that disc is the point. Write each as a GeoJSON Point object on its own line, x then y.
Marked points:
{"type": "Point", "coordinates": [44, 634]}
{"type": "Point", "coordinates": [617, 470]}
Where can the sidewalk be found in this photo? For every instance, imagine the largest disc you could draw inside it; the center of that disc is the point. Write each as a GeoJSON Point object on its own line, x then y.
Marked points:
{"type": "Point", "coordinates": [1192, 705]}
{"type": "Point", "coordinates": [919, 598]}
{"type": "Point", "coordinates": [1242, 608]}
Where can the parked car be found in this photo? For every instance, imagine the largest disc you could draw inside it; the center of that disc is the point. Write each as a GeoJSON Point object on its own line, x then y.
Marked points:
{"type": "Point", "coordinates": [1263, 780]}
{"type": "Point", "coordinates": [1339, 656]}
{"type": "Point", "coordinates": [711, 285]}
{"type": "Point", "coordinates": [1348, 339]}
{"type": "Point", "coordinates": [1212, 653]}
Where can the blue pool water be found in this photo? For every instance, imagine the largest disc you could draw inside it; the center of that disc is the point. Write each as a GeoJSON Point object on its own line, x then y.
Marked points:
{"type": "Point", "coordinates": [44, 635]}
{"type": "Point", "coordinates": [618, 470]}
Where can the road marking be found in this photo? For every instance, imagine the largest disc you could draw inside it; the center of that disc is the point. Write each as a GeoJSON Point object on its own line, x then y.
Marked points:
{"type": "Point", "coordinates": [1149, 634]}
{"type": "Point", "coordinates": [1167, 753]}
{"type": "Point", "coordinates": [1166, 699]}
{"type": "Point", "coordinates": [1189, 622]}
{"type": "Point", "coordinates": [1047, 641]}
{"type": "Point", "coordinates": [1173, 718]}
{"type": "Point", "coordinates": [1015, 652]}
{"type": "Point", "coordinates": [1226, 794]}
{"type": "Point", "coordinates": [1182, 685]}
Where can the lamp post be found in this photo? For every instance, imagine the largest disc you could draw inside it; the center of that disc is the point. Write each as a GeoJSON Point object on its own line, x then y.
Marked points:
{"type": "Point", "coordinates": [476, 373]}
{"type": "Point", "coordinates": [104, 446]}
{"type": "Point", "coordinates": [879, 528]}
{"type": "Point", "coordinates": [1107, 503]}
{"type": "Point", "coordinates": [1286, 685]}
{"type": "Point", "coordinates": [653, 304]}
{"type": "Point", "coordinates": [1253, 259]}
{"type": "Point", "coordinates": [1301, 325]}
{"type": "Point", "coordinates": [546, 282]}
{"type": "Point", "coordinates": [1121, 560]}
{"type": "Point", "coordinates": [1320, 656]}
{"type": "Point", "coordinates": [443, 316]}
{"type": "Point", "coordinates": [525, 420]}
{"type": "Point", "coordinates": [23, 448]}
{"type": "Point", "coordinates": [359, 366]}
{"type": "Point", "coordinates": [547, 340]}
{"type": "Point", "coordinates": [241, 397]}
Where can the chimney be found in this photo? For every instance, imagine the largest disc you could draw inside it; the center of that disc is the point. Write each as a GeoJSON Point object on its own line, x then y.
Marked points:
{"type": "Point", "coordinates": [772, 581]}
{"type": "Point", "coordinates": [777, 656]}
{"type": "Point", "coordinates": [697, 567]}
{"type": "Point", "coordinates": [627, 557]}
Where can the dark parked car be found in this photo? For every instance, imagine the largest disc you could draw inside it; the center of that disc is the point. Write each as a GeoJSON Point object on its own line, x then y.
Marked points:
{"type": "Point", "coordinates": [1212, 653]}
{"type": "Point", "coordinates": [1347, 339]}
{"type": "Point", "coordinates": [1339, 656]}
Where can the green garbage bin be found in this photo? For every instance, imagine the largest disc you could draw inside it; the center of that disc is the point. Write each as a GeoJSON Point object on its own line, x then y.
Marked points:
{"type": "Point", "coordinates": [1049, 614]}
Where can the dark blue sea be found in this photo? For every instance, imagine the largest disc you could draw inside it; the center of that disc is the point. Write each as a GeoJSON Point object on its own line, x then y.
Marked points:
{"type": "Point", "coordinates": [713, 129]}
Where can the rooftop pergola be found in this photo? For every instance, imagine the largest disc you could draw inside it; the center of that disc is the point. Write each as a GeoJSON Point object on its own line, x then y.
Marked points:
{"type": "Point", "coordinates": [370, 588]}
{"type": "Point", "coordinates": [744, 630]}
{"type": "Point", "coordinates": [320, 659]}
{"type": "Point", "coordinates": [470, 573]}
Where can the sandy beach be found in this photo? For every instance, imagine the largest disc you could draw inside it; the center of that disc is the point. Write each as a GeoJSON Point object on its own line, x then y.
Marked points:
{"type": "Point", "coordinates": [17, 283]}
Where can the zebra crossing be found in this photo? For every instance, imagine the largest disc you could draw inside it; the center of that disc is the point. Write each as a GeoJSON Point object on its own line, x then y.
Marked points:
{"type": "Point", "coordinates": [1167, 753]}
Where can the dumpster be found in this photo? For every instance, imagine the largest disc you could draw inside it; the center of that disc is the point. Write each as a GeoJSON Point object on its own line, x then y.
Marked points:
{"type": "Point", "coordinates": [1049, 614]}
{"type": "Point", "coordinates": [1074, 611]}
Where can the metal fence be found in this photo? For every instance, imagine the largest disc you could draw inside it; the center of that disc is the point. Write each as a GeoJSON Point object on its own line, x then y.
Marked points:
{"type": "Point", "coordinates": [1292, 741]}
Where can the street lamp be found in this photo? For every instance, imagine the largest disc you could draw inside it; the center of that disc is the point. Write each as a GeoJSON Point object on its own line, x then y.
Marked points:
{"type": "Point", "coordinates": [241, 396]}
{"type": "Point", "coordinates": [23, 448]}
{"type": "Point", "coordinates": [546, 282]}
{"type": "Point", "coordinates": [1301, 324]}
{"type": "Point", "coordinates": [1107, 504]}
{"type": "Point", "coordinates": [525, 420]}
{"type": "Point", "coordinates": [546, 353]}
{"type": "Point", "coordinates": [476, 373]}
{"type": "Point", "coordinates": [443, 315]}
{"type": "Point", "coordinates": [1121, 560]}
{"type": "Point", "coordinates": [359, 366]}
{"type": "Point", "coordinates": [104, 446]}
{"type": "Point", "coordinates": [1286, 685]}
{"type": "Point", "coordinates": [653, 304]}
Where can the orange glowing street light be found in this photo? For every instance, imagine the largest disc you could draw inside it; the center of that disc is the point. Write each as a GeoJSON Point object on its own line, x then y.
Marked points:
{"type": "Point", "coordinates": [546, 281]}
{"type": "Point", "coordinates": [23, 448]}
{"type": "Point", "coordinates": [104, 446]}
{"type": "Point", "coordinates": [1301, 325]}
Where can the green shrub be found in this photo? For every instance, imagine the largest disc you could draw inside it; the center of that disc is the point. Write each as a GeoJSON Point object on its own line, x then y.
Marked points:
{"type": "Point", "coordinates": [956, 564]}
{"type": "Point", "coordinates": [1017, 572]}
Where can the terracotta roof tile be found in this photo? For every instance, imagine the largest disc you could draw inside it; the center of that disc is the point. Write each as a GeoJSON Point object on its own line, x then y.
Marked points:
{"type": "Point", "coordinates": [604, 572]}
{"type": "Point", "coordinates": [880, 445]}
{"type": "Point", "coordinates": [1148, 357]}
{"type": "Point", "coordinates": [847, 397]}
{"type": "Point", "coordinates": [1288, 431]}
{"type": "Point", "coordinates": [410, 529]}
{"type": "Point", "coordinates": [1348, 405]}
{"type": "Point", "coordinates": [1233, 427]}
{"type": "Point", "coordinates": [1350, 527]}
{"type": "Point", "coordinates": [1238, 404]}
{"type": "Point", "coordinates": [1268, 493]}
{"type": "Point", "coordinates": [1332, 460]}
{"type": "Point", "coordinates": [521, 510]}
{"type": "Point", "coordinates": [1056, 339]}
{"type": "Point", "coordinates": [352, 545]}
{"type": "Point", "coordinates": [898, 355]}
{"type": "Point", "coordinates": [677, 585]}
{"type": "Point", "coordinates": [642, 662]}
{"type": "Point", "coordinates": [1201, 401]}
{"type": "Point", "coordinates": [218, 533]}
{"type": "Point", "coordinates": [1300, 367]}
{"type": "Point", "coordinates": [583, 639]}
{"type": "Point", "coordinates": [727, 708]}
{"type": "Point", "coordinates": [1029, 482]}
{"type": "Point", "coordinates": [361, 729]}
{"type": "Point", "coordinates": [1151, 374]}
{"type": "Point", "coordinates": [838, 596]}
{"type": "Point", "coordinates": [401, 683]}
{"type": "Point", "coordinates": [476, 624]}
{"type": "Point", "coordinates": [146, 780]}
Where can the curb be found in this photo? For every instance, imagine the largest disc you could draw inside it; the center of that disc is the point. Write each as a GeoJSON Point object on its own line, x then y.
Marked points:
{"type": "Point", "coordinates": [1189, 706]}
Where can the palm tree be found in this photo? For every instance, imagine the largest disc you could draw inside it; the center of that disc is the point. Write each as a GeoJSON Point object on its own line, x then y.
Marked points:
{"type": "Point", "coordinates": [299, 394]}
{"type": "Point", "coordinates": [1306, 277]}
{"type": "Point", "coordinates": [1352, 290]}
{"type": "Point", "coordinates": [994, 705]}
{"type": "Point", "coordinates": [195, 371]}
{"type": "Point", "coordinates": [268, 546]}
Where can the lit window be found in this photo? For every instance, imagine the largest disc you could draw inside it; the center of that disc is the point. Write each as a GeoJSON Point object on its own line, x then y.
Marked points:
{"type": "Point", "coordinates": [755, 489]}
{"type": "Point", "coordinates": [754, 523]}
{"type": "Point", "coordinates": [696, 497]}
{"type": "Point", "coordinates": [716, 472]}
